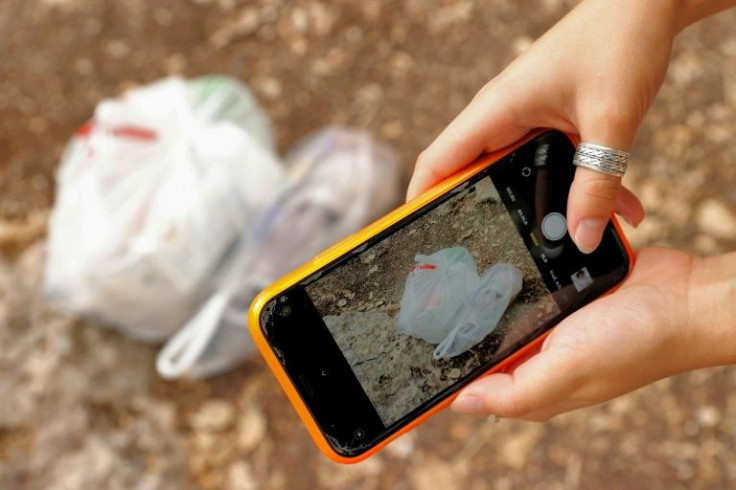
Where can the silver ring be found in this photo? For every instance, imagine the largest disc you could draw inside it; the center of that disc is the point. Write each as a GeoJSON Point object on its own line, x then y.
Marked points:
{"type": "Point", "coordinates": [602, 159]}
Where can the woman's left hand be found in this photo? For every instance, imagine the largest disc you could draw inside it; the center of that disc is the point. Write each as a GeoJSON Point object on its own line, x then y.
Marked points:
{"type": "Point", "coordinates": [655, 325]}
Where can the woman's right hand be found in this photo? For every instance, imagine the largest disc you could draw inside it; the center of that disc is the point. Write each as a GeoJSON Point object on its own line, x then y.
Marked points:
{"type": "Point", "coordinates": [594, 74]}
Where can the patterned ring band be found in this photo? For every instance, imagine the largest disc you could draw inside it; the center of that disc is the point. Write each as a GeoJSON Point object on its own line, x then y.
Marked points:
{"type": "Point", "coordinates": [602, 159]}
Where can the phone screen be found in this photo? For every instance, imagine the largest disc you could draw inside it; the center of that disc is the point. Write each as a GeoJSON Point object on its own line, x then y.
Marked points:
{"type": "Point", "coordinates": [424, 307]}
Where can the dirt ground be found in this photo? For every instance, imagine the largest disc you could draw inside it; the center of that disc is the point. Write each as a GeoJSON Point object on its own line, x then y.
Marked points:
{"type": "Point", "coordinates": [82, 407]}
{"type": "Point", "coordinates": [397, 371]}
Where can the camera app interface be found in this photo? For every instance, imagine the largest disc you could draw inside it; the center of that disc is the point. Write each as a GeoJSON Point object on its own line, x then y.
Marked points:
{"type": "Point", "coordinates": [438, 298]}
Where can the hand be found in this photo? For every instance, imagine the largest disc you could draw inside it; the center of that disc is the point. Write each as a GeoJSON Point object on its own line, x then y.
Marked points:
{"type": "Point", "coordinates": [594, 74]}
{"type": "Point", "coordinates": [637, 335]}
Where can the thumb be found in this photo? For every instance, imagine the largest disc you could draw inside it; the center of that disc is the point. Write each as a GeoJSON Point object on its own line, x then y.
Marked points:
{"type": "Point", "coordinates": [540, 382]}
{"type": "Point", "coordinates": [594, 195]}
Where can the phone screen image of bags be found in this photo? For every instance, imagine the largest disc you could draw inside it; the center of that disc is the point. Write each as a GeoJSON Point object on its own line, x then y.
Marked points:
{"type": "Point", "coordinates": [417, 311]}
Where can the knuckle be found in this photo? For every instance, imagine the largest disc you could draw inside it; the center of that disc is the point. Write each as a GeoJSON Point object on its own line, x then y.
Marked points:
{"type": "Point", "coordinates": [513, 407]}
{"type": "Point", "coordinates": [422, 159]}
{"type": "Point", "coordinates": [601, 187]}
{"type": "Point", "coordinates": [496, 89]}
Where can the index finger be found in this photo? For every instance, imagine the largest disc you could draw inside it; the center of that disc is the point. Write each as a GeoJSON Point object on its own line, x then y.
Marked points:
{"type": "Point", "coordinates": [491, 121]}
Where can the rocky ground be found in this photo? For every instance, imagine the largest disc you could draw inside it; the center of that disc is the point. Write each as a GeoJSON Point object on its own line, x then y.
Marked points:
{"type": "Point", "coordinates": [81, 407]}
{"type": "Point", "coordinates": [360, 302]}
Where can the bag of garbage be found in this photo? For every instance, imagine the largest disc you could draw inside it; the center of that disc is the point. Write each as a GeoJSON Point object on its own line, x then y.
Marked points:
{"type": "Point", "coordinates": [339, 180]}
{"type": "Point", "coordinates": [436, 290]}
{"type": "Point", "coordinates": [499, 286]}
{"type": "Point", "coordinates": [151, 195]}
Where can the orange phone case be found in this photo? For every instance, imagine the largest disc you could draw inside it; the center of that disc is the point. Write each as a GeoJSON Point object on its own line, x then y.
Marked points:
{"type": "Point", "coordinates": [349, 244]}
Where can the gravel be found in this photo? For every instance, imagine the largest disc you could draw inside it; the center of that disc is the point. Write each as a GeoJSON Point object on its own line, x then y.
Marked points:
{"type": "Point", "coordinates": [82, 407]}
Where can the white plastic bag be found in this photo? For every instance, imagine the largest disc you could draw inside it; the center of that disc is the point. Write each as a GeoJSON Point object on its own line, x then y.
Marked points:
{"type": "Point", "coordinates": [173, 211]}
{"type": "Point", "coordinates": [499, 286]}
{"type": "Point", "coordinates": [339, 181]}
{"type": "Point", "coordinates": [436, 290]}
{"type": "Point", "coordinates": [445, 302]}
{"type": "Point", "coordinates": [151, 195]}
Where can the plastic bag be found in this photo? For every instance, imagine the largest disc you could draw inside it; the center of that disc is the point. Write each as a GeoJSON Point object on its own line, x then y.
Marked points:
{"type": "Point", "coordinates": [436, 290]}
{"type": "Point", "coordinates": [446, 303]}
{"type": "Point", "coordinates": [339, 181]}
{"type": "Point", "coordinates": [151, 194]}
{"type": "Point", "coordinates": [499, 286]}
{"type": "Point", "coordinates": [173, 211]}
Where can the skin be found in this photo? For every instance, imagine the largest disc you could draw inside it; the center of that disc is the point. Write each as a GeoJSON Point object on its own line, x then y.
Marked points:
{"type": "Point", "coordinates": [678, 312]}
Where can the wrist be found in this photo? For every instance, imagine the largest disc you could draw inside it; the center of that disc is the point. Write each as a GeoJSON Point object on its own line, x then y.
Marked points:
{"type": "Point", "coordinates": [669, 15]}
{"type": "Point", "coordinates": [712, 309]}
{"type": "Point", "coordinates": [692, 11]}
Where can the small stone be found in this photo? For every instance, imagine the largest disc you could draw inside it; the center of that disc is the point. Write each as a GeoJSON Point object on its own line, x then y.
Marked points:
{"type": "Point", "coordinates": [368, 258]}
{"type": "Point", "coordinates": [684, 470]}
{"type": "Point", "coordinates": [706, 244]}
{"type": "Point", "coordinates": [299, 20]}
{"type": "Point", "coordinates": [341, 302]}
{"type": "Point", "coordinates": [204, 441]}
{"type": "Point", "coordinates": [515, 450]}
{"type": "Point", "coordinates": [240, 477]}
{"type": "Point", "coordinates": [162, 17]}
{"type": "Point", "coordinates": [690, 428]}
{"type": "Point", "coordinates": [329, 297]}
{"type": "Point", "coordinates": [244, 25]}
{"type": "Point", "coordinates": [392, 130]}
{"type": "Point", "coordinates": [401, 61]}
{"type": "Point", "coordinates": [117, 49]}
{"type": "Point", "coordinates": [717, 219]}
{"type": "Point", "coordinates": [433, 473]}
{"type": "Point", "coordinates": [175, 64]}
{"type": "Point", "coordinates": [271, 88]}
{"type": "Point", "coordinates": [521, 44]}
{"type": "Point", "coordinates": [373, 269]}
{"type": "Point", "coordinates": [84, 66]}
{"type": "Point", "coordinates": [354, 34]}
{"type": "Point", "coordinates": [214, 415]}
{"type": "Point", "coordinates": [37, 125]}
{"type": "Point", "coordinates": [443, 210]}
{"type": "Point", "coordinates": [454, 373]}
{"type": "Point", "coordinates": [251, 429]}
{"type": "Point", "coordinates": [322, 18]}
{"type": "Point", "coordinates": [299, 46]}
{"type": "Point", "coordinates": [403, 447]}
{"type": "Point", "coordinates": [486, 192]}
{"type": "Point", "coordinates": [708, 416]}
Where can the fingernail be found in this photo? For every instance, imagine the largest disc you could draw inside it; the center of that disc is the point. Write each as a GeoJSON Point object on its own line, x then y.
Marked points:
{"type": "Point", "coordinates": [627, 220]}
{"type": "Point", "coordinates": [468, 404]}
{"type": "Point", "coordinates": [631, 223]}
{"type": "Point", "coordinates": [588, 234]}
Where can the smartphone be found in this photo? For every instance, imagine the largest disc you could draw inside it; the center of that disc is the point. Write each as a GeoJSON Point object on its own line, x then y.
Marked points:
{"type": "Point", "coordinates": [353, 336]}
